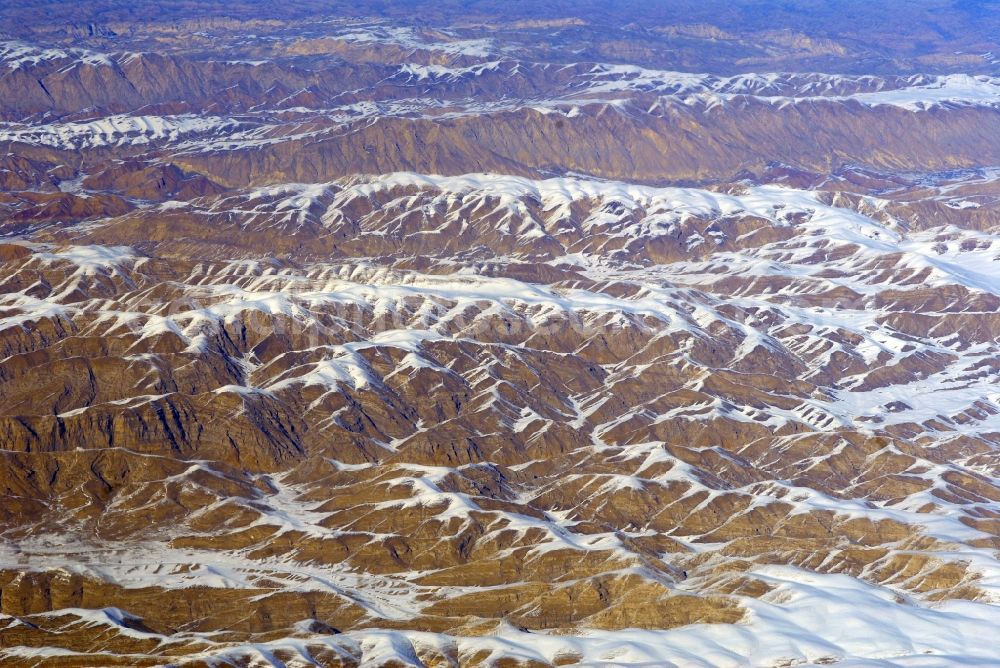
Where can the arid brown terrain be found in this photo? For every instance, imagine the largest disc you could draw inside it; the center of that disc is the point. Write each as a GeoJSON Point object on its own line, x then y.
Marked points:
{"type": "Point", "coordinates": [333, 336]}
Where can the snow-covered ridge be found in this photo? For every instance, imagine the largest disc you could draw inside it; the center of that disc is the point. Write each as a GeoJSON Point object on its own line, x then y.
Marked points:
{"type": "Point", "coordinates": [413, 72]}
{"type": "Point", "coordinates": [947, 256]}
{"type": "Point", "coordinates": [949, 90]}
{"type": "Point", "coordinates": [15, 54]}
{"type": "Point", "coordinates": [410, 38]}
{"type": "Point", "coordinates": [913, 93]}
{"type": "Point", "coordinates": [791, 625]}
{"type": "Point", "coordinates": [666, 204]}
{"type": "Point", "coordinates": [119, 130]}
{"type": "Point", "coordinates": [881, 257]}
{"type": "Point", "coordinates": [91, 259]}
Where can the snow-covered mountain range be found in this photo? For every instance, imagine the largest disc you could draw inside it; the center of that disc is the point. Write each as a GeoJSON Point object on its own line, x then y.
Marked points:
{"type": "Point", "coordinates": [354, 341]}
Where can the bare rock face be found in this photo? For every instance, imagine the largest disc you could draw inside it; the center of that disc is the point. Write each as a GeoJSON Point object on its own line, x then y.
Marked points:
{"type": "Point", "coordinates": [345, 342]}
